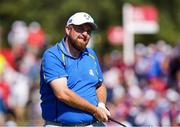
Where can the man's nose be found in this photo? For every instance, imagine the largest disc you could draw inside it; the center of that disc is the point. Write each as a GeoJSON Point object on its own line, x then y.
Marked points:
{"type": "Point", "coordinates": [85, 32]}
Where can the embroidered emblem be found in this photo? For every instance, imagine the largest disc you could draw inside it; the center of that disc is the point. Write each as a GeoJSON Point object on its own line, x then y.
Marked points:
{"type": "Point", "coordinates": [87, 16]}
{"type": "Point", "coordinates": [70, 21]}
{"type": "Point", "coordinates": [91, 72]}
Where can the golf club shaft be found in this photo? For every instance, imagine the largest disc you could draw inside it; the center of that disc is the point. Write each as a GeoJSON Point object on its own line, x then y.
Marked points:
{"type": "Point", "coordinates": [113, 120]}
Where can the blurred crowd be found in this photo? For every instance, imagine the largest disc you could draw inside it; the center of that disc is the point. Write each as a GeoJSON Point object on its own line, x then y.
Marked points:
{"type": "Point", "coordinates": [19, 75]}
{"type": "Point", "coordinates": [143, 94]}
{"type": "Point", "coordinates": [146, 93]}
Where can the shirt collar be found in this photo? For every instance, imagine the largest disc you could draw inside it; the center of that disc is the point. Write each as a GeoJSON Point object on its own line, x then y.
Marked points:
{"type": "Point", "coordinates": [65, 51]}
{"type": "Point", "coordinates": [63, 47]}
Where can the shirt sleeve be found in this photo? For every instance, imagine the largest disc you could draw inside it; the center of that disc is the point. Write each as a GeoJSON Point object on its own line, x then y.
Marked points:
{"type": "Point", "coordinates": [99, 71]}
{"type": "Point", "coordinates": [52, 67]}
{"type": "Point", "coordinates": [98, 66]}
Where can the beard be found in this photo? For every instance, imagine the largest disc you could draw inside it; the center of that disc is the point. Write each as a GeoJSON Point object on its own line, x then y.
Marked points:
{"type": "Point", "coordinates": [79, 43]}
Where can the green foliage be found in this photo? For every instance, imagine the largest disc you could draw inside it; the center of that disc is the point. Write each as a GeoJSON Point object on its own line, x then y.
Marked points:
{"type": "Point", "coordinates": [53, 14]}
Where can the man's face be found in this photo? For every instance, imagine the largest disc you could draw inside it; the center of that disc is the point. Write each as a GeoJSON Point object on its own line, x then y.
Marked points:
{"type": "Point", "coordinates": [79, 36]}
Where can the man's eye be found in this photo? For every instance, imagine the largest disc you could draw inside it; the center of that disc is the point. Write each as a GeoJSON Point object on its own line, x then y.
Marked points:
{"type": "Point", "coordinates": [89, 32]}
{"type": "Point", "coordinates": [80, 27]}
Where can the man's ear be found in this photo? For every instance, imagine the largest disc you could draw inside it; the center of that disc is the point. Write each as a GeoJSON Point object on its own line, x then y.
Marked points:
{"type": "Point", "coordinates": [67, 29]}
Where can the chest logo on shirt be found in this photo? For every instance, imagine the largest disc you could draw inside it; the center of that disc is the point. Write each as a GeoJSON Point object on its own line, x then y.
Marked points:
{"type": "Point", "coordinates": [91, 72]}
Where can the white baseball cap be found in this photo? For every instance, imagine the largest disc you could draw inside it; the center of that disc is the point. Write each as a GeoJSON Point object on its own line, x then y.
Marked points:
{"type": "Point", "coordinates": [80, 18]}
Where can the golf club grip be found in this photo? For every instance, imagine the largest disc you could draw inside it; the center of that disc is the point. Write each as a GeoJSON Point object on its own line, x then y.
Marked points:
{"type": "Point", "coordinates": [113, 120]}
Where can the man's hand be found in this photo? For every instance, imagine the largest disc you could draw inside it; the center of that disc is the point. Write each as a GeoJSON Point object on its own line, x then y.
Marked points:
{"type": "Point", "coordinates": [102, 113]}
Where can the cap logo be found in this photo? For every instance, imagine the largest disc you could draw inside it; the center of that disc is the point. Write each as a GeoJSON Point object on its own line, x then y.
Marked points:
{"type": "Point", "coordinates": [87, 16]}
{"type": "Point", "coordinates": [70, 21]}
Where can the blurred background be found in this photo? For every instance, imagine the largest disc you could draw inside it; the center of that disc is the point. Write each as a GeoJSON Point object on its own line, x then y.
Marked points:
{"type": "Point", "coordinates": [137, 43]}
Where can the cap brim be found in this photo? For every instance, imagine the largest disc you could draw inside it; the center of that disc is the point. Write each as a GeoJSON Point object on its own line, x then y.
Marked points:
{"type": "Point", "coordinates": [93, 25]}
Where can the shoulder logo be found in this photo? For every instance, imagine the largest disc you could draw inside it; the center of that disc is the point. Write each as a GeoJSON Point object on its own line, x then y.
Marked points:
{"type": "Point", "coordinates": [91, 72]}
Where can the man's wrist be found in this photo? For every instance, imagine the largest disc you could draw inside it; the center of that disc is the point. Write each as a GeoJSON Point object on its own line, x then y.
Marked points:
{"type": "Point", "coordinates": [102, 105]}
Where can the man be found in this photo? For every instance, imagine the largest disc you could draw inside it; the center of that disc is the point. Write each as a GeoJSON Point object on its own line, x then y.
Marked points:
{"type": "Point", "coordinates": [71, 87]}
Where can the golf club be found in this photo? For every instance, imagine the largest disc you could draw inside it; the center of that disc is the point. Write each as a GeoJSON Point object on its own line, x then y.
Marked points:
{"type": "Point", "coordinates": [113, 120]}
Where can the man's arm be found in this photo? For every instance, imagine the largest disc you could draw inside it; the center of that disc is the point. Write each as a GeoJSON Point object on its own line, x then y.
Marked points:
{"type": "Point", "coordinates": [63, 93]}
{"type": "Point", "coordinates": [101, 93]}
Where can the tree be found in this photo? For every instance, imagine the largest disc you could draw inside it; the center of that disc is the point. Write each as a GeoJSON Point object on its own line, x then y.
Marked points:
{"type": "Point", "coordinates": [53, 14]}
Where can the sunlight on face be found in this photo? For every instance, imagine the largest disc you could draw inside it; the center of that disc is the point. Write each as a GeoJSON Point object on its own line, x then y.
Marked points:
{"type": "Point", "coordinates": [80, 35]}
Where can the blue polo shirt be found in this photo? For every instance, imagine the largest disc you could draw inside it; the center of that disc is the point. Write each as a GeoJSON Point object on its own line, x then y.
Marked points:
{"type": "Point", "coordinates": [83, 75]}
